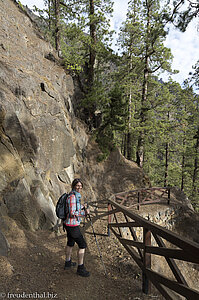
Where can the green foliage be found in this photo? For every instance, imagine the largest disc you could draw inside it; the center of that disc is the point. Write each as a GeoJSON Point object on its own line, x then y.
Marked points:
{"type": "Point", "coordinates": [175, 126]}
{"type": "Point", "coordinates": [142, 40]}
{"type": "Point", "coordinates": [20, 4]}
{"type": "Point", "coordinates": [194, 76]}
{"type": "Point", "coordinates": [114, 113]}
{"type": "Point", "coordinates": [181, 15]}
{"type": "Point", "coordinates": [74, 28]}
{"type": "Point", "coordinates": [125, 104]}
{"type": "Point", "coordinates": [72, 47]}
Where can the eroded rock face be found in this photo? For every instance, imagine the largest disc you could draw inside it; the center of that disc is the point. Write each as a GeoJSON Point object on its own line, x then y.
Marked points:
{"type": "Point", "coordinates": [4, 249]}
{"type": "Point", "coordinates": [37, 143]}
{"type": "Point", "coordinates": [42, 144]}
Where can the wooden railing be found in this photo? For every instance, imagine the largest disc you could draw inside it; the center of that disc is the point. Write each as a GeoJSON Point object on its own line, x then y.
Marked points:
{"type": "Point", "coordinates": [145, 196]}
{"type": "Point", "coordinates": [167, 244]}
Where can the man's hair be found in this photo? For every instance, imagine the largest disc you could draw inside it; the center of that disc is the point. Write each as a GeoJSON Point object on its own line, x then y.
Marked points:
{"type": "Point", "coordinates": [76, 181]}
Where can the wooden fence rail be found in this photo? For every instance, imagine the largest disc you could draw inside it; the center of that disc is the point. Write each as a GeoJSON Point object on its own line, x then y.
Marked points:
{"type": "Point", "coordinates": [167, 244]}
{"type": "Point", "coordinates": [145, 196]}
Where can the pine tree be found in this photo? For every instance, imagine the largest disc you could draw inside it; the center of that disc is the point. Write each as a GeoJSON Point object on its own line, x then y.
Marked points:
{"type": "Point", "coordinates": [129, 41]}
{"type": "Point", "coordinates": [195, 152]}
{"type": "Point", "coordinates": [114, 115]}
{"type": "Point", "coordinates": [144, 45]}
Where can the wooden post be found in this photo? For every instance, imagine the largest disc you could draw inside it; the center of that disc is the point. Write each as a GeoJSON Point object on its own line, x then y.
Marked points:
{"type": "Point", "coordinates": [146, 284]}
{"type": "Point", "coordinates": [109, 218]}
{"type": "Point", "coordinates": [138, 207]}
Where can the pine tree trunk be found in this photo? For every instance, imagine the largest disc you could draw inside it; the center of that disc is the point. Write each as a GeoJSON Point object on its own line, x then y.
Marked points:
{"type": "Point", "coordinates": [140, 152]}
{"type": "Point", "coordinates": [166, 158]}
{"type": "Point", "coordinates": [91, 119]}
{"type": "Point", "coordinates": [122, 146]}
{"type": "Point", "coordinates": [166, 164]}
{"type": "Point", "coordinates": [57, 25]}
{"type": "Point", "coordinates": [92, 54]}
{"type": "Point", "coordinates": [125, 143]}
{"type": "Point", "coordinates": [49, 15]}
{"type": "Point", "coordinates": [195, 172]}
{"type": "Point", "coordinates": [140, 145]}
{"type": "Point", "coordinates": [129, 135]}
{"type": "Point", "coordinates": [129, 146]}
{"type": "Point", "coordinates": [183, 166]}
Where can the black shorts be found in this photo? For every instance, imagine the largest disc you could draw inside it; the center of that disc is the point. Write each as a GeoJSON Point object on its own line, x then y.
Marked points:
{"type": "Point", "coordinates": [74, 235]}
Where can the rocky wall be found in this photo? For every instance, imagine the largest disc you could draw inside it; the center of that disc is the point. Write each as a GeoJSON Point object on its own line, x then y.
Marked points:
{"type": "Point", "coordinates": [42, 143]}
{"type": "Point", "coordinates": [38, 143]}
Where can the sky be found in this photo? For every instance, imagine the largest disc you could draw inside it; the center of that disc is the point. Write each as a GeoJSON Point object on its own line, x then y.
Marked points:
{"type": "Point", "coordinates": [184, 46]}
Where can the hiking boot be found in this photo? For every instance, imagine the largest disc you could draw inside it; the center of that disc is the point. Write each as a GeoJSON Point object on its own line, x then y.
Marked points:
{"type": "Point", "coordinates": [81, 271]}
{"type": "Point", "coordinates": [69, 264]}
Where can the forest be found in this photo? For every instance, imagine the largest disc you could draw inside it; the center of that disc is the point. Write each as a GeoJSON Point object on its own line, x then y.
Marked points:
{"type": "Point", "coordinates": [123, 100]}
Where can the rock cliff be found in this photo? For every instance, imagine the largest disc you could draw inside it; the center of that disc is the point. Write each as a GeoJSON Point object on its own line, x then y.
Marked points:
{"type": "Point", "coordinates": [42, 144]}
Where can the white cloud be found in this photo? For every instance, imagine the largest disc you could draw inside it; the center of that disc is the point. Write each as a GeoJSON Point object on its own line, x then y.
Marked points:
{"type": "Point", "coordinates": [184, 47]}
{"type": "Point", "coordinates": [120, 9]}
{"type": "Point", "coordinates": [119, 16]}
{"type": "Point", "coordinates": [31, 3]}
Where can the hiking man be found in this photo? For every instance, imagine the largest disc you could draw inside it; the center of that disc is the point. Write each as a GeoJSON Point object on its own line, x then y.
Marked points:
{"type": "Point", "coordinates": [72, 226]}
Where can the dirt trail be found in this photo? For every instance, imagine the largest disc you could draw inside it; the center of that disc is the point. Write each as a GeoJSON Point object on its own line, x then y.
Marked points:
{"type": "Point", "coordinates": [35, 266]}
